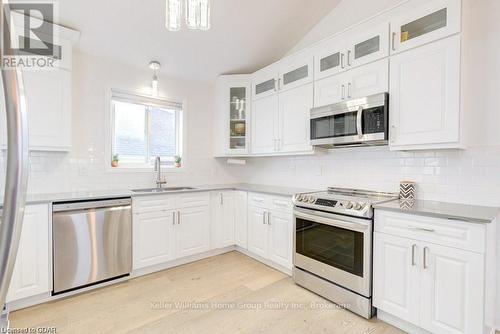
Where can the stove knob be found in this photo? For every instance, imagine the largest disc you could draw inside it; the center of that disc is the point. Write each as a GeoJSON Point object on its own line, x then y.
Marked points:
{"type": "Point", "coordinates": [348, 205]}
{"type": "Point", "coordinates": [312, 199]}
{"type": "Point", "coordinates": [357, 206]}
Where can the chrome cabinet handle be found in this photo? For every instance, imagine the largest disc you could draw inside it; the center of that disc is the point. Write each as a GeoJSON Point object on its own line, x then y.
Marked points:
{"type": "Point", "coordinates": [178, 217]}
{"type": "Point", "coordinates": [221, 199]}
{"type": "Point", "coordinates": [359, 122]}
{"type": "Point", "coordinates": [349, 85]}
{"type": "Point", "coordinates": [268, 218]}
{"type": "Point", "coordinates": [343, 91]}
{"type": "Point", "coordinates": [413, 250]}
{"type": "Point", "coordinates": [425, 257]}
{"type": "Point", "coordinates": [393, 41]}
{"type": "Point", "coordinates": [348, 57]}
{"type": "Point", "coordinates": [342, 60]}
{"type": "Point", "coordinates": [173, 217]}
{"type": "Point", "coordinates": [279, 84]}
{"type": "Point", "coordinates": [421, 229]}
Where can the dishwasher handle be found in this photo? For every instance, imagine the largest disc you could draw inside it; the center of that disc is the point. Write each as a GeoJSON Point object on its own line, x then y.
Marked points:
{"type": "Point", "coordinates": [86, 205]}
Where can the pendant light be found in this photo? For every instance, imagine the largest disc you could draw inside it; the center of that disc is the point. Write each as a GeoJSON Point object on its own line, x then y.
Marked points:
{"type": "Point", "coordinates": [196, 12]}
{"type": "Point", "coordinates": [155, 66]}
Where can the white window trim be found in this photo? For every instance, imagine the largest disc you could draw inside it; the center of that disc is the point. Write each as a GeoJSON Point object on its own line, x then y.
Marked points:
{"type": "Point", "coordinates": [162, 102]}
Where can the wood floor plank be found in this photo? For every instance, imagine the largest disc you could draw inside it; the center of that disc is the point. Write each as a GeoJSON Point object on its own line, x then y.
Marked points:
{"type": "Point", "coordinates": [229, 293]}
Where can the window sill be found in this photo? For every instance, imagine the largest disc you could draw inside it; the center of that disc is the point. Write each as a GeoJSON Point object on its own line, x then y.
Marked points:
{"type": "Point", "coordinates": [164, 170]}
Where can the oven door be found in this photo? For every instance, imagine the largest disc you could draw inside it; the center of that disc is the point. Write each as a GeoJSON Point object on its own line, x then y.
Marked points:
{"type": "Point", "coordinates": [334, 247]}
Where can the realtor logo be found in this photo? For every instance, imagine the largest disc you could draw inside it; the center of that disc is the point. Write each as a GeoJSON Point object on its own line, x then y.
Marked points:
{"type": "Point", "coordinates": [28, 35]}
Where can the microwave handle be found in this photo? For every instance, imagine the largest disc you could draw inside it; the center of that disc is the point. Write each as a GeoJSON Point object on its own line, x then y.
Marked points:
{"type": "Point", "coordinates": [359, 120]}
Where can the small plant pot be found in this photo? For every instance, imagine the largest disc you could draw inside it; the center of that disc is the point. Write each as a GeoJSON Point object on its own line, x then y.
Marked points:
{"type": "Point", "coordinates": [114, 163]}
{"type": "Point", "coordinates": [177, 164]}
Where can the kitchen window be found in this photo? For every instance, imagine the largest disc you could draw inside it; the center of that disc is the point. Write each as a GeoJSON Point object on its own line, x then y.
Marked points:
{"type": "Point", "coordinates": [143, 128]}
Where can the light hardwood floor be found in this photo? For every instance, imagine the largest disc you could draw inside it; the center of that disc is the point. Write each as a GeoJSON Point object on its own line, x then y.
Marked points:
{"type": "Point", "coordinates": [257, 293]}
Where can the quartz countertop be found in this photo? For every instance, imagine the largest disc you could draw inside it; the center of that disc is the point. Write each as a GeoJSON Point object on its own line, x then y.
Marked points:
{"type": "Point", "coordinates": [104, 194]}
{"type": "Point", "coordinates": [463, 212]}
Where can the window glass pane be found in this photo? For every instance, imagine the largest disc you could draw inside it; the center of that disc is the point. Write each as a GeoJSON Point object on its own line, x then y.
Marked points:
{"type": "Point", "coordinates": [424, 25]}
{"type": "Point", "coordinates": [264, 86]}
{"type": "Point", "coordinates": [330, 62]}
{"type": "Point", "coordinates": [163, 136]}
{"type": "Point", "coordinates": [367, 47]}
{"type": "Point", "coordinates": [130, 138]}
{"type": "Point", "coordinates": [297, 74]}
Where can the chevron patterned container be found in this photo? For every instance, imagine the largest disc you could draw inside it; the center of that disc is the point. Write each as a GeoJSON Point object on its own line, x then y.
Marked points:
{"type": "Point", "coordinates": [407, 190]}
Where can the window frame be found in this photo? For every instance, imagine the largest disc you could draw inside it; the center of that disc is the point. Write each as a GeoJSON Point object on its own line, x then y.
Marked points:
{"type": "Point", "coordinates": [167, 103]}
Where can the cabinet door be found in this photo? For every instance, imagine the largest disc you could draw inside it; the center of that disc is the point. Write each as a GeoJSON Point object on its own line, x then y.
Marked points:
{"type": "Point", "coordinates": [396, 287]}
{"type": "Point", "coordinates": [223, 218]}
{"type": "Point", "coordinates": [368, 79]}
{"type": "Point", "coordinates": [31, 270]}
{"type": "Point", "coordinates": [241, 216]}
{"type": "Point", "coordinates": [257, 231]}
{"type": "Point", "coordinates": [452, 291]}
{"type": "Point", "coordinates": [48, 99]}
{"type": "Point", "coordinates": [265, 82]}
{"type": "Point", "coordinates": [153, 238]}
{"type": "Point", "coordinates": [330, 90]}
{"type": "Point", "coordinates": [428, 22]}
{"type": "Point", "coordinates": [232, 115]}
{"type": "Point", "coordinates": [368, 45]}
{"type": "Point", "coordinates": [294, 110]}
{"type": "Point", "coordinates": [192, 231]}
{"type": "Point", "coordinates": [296, 70]}
{"type": "Point", "coordinates": [265, 125]}
{"type": "Point", "coordinates": [329, 58]}
{"type": "Point", "coordinates": [281, 238]}
{"type": "Point", "coordinates": [425, 95]}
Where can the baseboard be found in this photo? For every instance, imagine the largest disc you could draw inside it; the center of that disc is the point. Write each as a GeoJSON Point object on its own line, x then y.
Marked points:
{"type": "Point", "coordinates": [400, 323]}
{"type": "Point", "coordinates": [268, 263]}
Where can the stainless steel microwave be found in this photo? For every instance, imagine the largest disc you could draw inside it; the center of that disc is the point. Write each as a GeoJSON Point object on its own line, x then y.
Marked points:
{"type": "Point", "coordinates": [357, 122]}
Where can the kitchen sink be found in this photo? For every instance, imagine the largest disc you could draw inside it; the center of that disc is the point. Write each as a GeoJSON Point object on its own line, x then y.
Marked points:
{"type": "Point", "coordinates": [161, 190]}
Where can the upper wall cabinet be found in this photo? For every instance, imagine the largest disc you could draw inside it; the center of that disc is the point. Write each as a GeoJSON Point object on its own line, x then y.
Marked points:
{"type": "Point", "coordinates": [265, 82]}
{"type": "Point", "coordinates": [329, 58]}
{"type": "Point", "coordinates": [296, 71]}
{"type": "Point", "coordinates": [429, 21]}
{"type": "Point", "coordinates": [367, 45]}
{"type": "Point", "coordinates": [232, 115]}
{"type": "Point", "coordinates": [424, 110]}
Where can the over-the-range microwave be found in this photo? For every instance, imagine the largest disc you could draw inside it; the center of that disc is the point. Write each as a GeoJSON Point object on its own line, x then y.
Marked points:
{"type": "Point", "coordinates": [356, 122]}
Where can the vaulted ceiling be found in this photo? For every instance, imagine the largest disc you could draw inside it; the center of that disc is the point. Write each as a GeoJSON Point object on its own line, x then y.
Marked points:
{"type": "Point", "coordinates": [245, 34]}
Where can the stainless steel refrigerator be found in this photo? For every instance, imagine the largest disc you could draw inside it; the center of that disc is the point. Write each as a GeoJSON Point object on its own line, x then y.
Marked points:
{"type": "Point", "coordinates": [16, 171]}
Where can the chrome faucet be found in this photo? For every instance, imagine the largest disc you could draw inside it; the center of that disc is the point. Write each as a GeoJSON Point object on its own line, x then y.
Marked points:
{"type": "Point", "coordinates": [159, 181]}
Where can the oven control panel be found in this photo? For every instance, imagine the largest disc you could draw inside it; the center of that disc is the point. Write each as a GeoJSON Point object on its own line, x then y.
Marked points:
{"type": "Point", "coordinates": [347, 207]}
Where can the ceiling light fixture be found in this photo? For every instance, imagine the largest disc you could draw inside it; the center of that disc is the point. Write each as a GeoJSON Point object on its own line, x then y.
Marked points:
{"type": "Point", "coordinates": [197, 14]}
{"type": "Point", "coordinates": [155, 66]}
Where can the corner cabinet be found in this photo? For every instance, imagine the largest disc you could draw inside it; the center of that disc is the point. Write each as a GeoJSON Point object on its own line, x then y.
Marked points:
{"type": "Point", "coordinates": [430, 273]}
{"type": "Point", "coordinates": [232, 117]}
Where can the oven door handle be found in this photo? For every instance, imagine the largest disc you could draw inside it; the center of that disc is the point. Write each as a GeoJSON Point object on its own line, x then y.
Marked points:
{"type": "Point", "coordinates": [322, 218]}
{"type": "Point", "coordinates": [359, 120]}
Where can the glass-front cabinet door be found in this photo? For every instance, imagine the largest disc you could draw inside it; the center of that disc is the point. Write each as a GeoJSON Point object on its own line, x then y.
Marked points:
{"type": "Point", "coordinates": [296, 71]}
{"type": "Point", "coordinates": [232, 115]}
{"type": "Point", "coordinates": [329, 58]}
{"type": "Point", "coordinates": [430, 21]}
{"type": "Point", "coordinates": [265, 82]}
{"type": "Point", "coordinates": [367, 45]}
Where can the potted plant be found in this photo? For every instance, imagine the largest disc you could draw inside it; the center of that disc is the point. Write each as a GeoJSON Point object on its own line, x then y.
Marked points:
{"type": "Point", "coordinates": [115, 160]}
{"type": "Point", "coordinates": [177, 161]}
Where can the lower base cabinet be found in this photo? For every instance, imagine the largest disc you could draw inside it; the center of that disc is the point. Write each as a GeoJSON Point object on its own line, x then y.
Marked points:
{"type": "Point", "coordinates": [31, 270]}
{"type": "Point", "coordinates": [270, 225]}
{"type": "Point", "coordinates": [192, 231]}
{"type": "Point", "coordinates": [436, 287]}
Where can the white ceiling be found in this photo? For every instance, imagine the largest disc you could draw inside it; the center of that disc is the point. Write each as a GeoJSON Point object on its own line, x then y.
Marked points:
{"type": "Point", "coordinates": [245, 34]}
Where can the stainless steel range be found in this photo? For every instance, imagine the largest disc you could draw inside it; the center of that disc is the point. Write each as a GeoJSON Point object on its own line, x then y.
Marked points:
{"type": "Point", "coordinates": [333, 245]}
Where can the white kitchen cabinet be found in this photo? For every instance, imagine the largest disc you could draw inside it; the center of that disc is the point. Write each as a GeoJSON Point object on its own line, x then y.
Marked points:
{"type": "Point", "coordinates": [270, 224]}
{"type": "Point", "coordinates": [329, 57]}
{"type": "Point", "coordinates": [257, 231]}
{"type": "Point", "coordinates": [294, 113]}
{"type": "Point", "coordinates": [359, 82]}
{"type": "Point", "coordinates": [295, 71]}
{"type": "Point", "coordinates": [223, 218]}
{"type": "Point", "coordinates": [232, 115]}
{"type": "Point", "coordinates": [153, 235]}
{"type": "Point", "coordinates": [265, 82]}
{"type": "Point", "coordinates": [280, 238]}
{"type": "Point", "coordinates": [367, 44]}
{"type": "Point", "coordinates": [168, 227]}
{"type": "Point", "coordinates": [265, 118]}
{"type": "Point", "coordinates": [396, 281]}
{"type": "Point", "coordinates": [193, 231]}
{"type": "Point", "coordinates": [425, 96]}
{"type": "Point", "coordinates": [241, 218]}
{"type": "Point", "coordinates": [31, 270]}
{"type": "Point", "coordinates": [426, 22]}
{"type": "Point", "coordinates": [424, 279]}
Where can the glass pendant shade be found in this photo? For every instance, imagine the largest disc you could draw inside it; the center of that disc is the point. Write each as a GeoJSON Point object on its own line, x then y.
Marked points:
{"type": "Point", "coordinates": [173, 15]}
{"type": "Point", "coordinates": [198, 14]}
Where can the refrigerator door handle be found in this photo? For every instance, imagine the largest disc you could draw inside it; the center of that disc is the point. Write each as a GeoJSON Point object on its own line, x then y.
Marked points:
{"type": "Point", "coordinates": [16, 180]}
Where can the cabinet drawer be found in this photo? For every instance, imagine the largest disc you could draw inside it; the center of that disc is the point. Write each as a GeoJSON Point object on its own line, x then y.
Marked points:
{"type": "Point", "coordinates": [193, 199]}
{"type": "Point", "coordinates": [153, 203]}
{"type": "Point", "coordinates": [282, 204]}
{"type": "Point", "coordinates": [446, 232]}
{"type": "Point", "coordinates": [258, 200]}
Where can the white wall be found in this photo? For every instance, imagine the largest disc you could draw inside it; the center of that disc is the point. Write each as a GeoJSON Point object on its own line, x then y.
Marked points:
{"type": "Point", "coordinates": [85, 167]}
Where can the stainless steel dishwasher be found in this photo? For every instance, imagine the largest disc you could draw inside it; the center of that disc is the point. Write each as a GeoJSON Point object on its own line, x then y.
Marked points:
{"type": "Point", "coordinates": [92, 242]}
